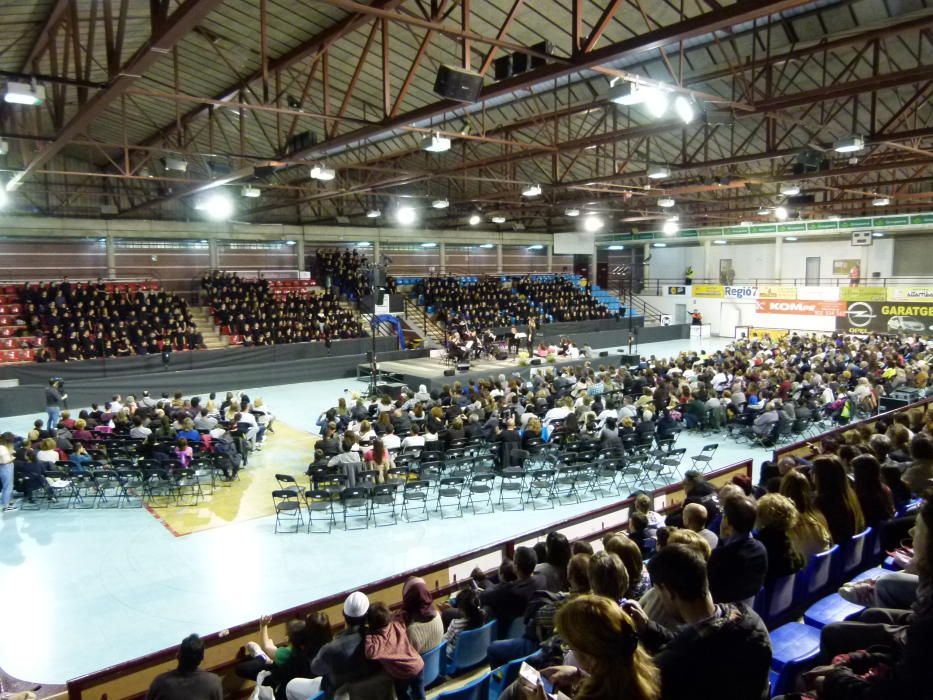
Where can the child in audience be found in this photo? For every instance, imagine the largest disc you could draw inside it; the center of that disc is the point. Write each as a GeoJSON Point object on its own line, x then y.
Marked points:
{"type": "Point", "coordinates": [387, 643]}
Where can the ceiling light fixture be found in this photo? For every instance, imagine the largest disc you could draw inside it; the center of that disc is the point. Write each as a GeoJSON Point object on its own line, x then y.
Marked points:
{"type": "Point", "coordinates": [440, 204]}
{"type": "Point", "coordinates": [290, 242]}
{"type": "Point", "coordinates": [877, 234]}
{"type": "Point", "coordinates": [363, 244]}
{"type": "Point", "coordinates": [429, 245]}
{"type": "Point", "coordinates": [488, 245]}
{"type": "Point", "coordinates": [660, 245]}
{"type": "Point", "coordinates": [536, 247]}
{"type": "Point", "coordinates": [656, 102]}
{"type": "Point", "coordinates": [532, 191]}
{"type": "Point", "coordinates": [764, 211]}
{"type": "Point", "coordinates": [250, 192]}
{"type": "Point", "coordinates": [686, 108]}
{"type": "Point", "coordinates": [373, 214]}
{"type": "Point", "coordinates": [321, 172]}
{"type": "Point", "coordinates": [670, 228]}
{"type": "Point", "coordinates": [571, 212]}
{"type": "Point", "coordinates": [218, 206]}
{"type": "Point", "coordinates": [745, 223]}
{"type": "Point", "coordinates": [880, 201]}
{"type": "Point", "coordinates": [666, 202]}
{"type": "Point", "coordinates": [719, 241]}
{"type": "Point", "coordinates": [179, 165]}
{"type": "Point", "coordinates": [498, 219]}
{"type": "Point", "coordinates": [790, 189]}
{"type": "Point", "coordinates": [850, 144]}
{"type": "Point", "coordinates": [658, 172]}
{"type": "Point", "coordinates": [24, 94]}
{"type": "Point", "coordinates": [475, 219]}
{"type": "Point", "coordinates": [791, 238]}
{"type": "Point", "coordinates": [592, 223]}
{"type": "Point", "coordinates": [4, 147]}
{"type": "Point", "coordinates": [626, 93]}
{"type": "Point", "coordinates": [435, 144]}
{"type": "Point", "coordinates": [406, 216]}
{"type": "Point", "coordinates": [780, 213]}
{"type": "Point", "coordinates": [616, 247]}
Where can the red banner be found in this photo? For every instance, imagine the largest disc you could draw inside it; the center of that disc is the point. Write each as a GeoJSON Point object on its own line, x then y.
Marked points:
{"type": "Point", "coordinates": [801, 308]}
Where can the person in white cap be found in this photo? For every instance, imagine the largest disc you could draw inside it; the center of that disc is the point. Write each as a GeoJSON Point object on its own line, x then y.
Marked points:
{"type": "Point", "coordinates": [343, 660]}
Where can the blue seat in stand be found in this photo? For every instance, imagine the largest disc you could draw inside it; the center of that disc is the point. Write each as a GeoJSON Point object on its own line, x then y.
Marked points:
{"type": "Point", "coordinates": [832, 608]}
{"type": "Point", "coordinates": [794, 649]}
{"type": "Point", "coordinates": [477, 690]}
{"type": "Point", "coordinates": [815, 577]}
{"type": "Point", "coordinates": [776, 600]}
{"type": "Point", "coordinates": [505, 675]}
{"type": "Point", "coordinates": [472, 646]}
{"type": "Point", "coordinates": [434, 660]}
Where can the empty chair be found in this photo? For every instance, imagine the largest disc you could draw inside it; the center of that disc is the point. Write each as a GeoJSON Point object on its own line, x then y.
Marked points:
{"type": "Point", "coordinates": [287, 483]}
{"type": "Point", "coordinates": [850, 557]}
{"type": "Point", "coordinates": [480, 492]}
{"type": "Point", "coordinates": [110, 488]}
{"type": "Point", "coordinates": [540, 486]}
{"type": "Point", "coordinates": [512, 488]}
{"type": "Point", "coordinates": [187, 487]}
{"type": "Point", "coordinates": [449, 492]}
{"type": "Point", "coordinates": [434, 660]}
{"type": "Point", "coordinates": [85, 490]}
{"type": "Point", "coordinates": [832, 608]}
{"type": "Point", "coordinates": [320, 507]}
{"type": "Point", "coordinates": [415, 499]}
{"type": "Point", "coordinates": [472, 646]}
{"type": "Point", "coordinates": [775, 602]}
{"type": "Point", "coordinates": [794, 648]}
{"type": "Point", "coordinates": [475, 690]}
{"type": "Point", "coordinates": [382, 502]}
{"type": "Point", "coordinates": [702, 461]}
{"type": "Point", "coordinates": [134, 488]}
{"type": "Point", "coordinates": [355, 502]}
{"type": "Point", "coordinates": [287, 509]}
{"type": "Point", "coordinates": [564, 484]}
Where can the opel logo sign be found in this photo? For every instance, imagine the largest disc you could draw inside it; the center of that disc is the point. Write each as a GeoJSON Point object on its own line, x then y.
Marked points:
{"type": "Point", "coordinates": [860, 314]}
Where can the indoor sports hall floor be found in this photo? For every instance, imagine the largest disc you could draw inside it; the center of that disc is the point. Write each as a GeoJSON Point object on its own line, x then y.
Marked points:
{"type": "Point", "coordinates": [85, 589]}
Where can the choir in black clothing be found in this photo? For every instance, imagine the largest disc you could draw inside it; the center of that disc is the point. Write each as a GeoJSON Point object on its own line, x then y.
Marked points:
{"type": "Point", "coordinates": [81, 321]}
{"type": "Point", "coordinates": [248, 308]}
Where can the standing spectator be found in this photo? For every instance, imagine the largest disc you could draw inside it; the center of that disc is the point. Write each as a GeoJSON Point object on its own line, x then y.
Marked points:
{"type": "Point", "coordinates": [54, 398]}
{"type": "Point", "coordinates": [6, 471]}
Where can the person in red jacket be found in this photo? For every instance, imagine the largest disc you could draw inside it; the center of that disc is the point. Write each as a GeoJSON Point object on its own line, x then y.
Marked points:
{"type": "Point", "coordinates": [387, 643]}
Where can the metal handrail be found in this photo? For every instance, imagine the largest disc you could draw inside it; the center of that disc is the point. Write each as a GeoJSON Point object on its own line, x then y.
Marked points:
{"type": "Point", "coordinates": [654, 284]}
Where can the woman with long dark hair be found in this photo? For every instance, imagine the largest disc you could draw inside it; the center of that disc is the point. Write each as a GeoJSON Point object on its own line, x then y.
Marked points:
{"type": "Point", "coordinates": [873, 494]}
{"type": "Point", "coordinates": [836, 498]}
{"type": "Point", "coordinates": [470, 616]}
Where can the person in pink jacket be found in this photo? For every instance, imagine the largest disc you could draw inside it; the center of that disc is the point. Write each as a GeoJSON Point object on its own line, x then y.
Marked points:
{"type": "Point", "coordinates": [387, 643]}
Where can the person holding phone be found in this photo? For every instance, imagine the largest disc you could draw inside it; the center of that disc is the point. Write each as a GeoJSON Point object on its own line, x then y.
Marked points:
{"type": "Point", "coordinates": [612, 664]}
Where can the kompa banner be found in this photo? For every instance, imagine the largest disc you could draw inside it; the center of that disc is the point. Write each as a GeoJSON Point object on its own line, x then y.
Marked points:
{"type": "Point", "coordinates": [878, 317]}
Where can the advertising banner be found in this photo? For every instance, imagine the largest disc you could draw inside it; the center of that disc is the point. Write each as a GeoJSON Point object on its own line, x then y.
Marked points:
{"type": "Point", "coordinates": [863, 294]}
{"type": "Point", "coordinates": [881, 317]}
{"type": "Point", "coordinates": [740, 292]}
{"type": "Point", "coordinates": [799, 307]}
{"type": "Point", "coordinates": [818, 293]}
{"type": "Point", "coordinates": [910, 294]}
{"type": "Point", "coordinates": [778, 293]}
{"type": "Point", "coordinates": [676, 291]}
{"type": "Point", "coordinates": [767, 333]}
{"type": "Point", "coordinates": [708, 291]}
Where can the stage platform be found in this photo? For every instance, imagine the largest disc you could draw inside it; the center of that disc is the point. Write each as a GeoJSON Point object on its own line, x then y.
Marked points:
{"type": "Point", "coordinates": [430, 370]}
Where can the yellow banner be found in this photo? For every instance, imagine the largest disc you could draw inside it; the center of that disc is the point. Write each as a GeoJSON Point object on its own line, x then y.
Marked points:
{"type": "Point", "coordinates": [863, 293]}
{"type": "Point", "coordinates": [708, 291]}
{"type": "Point", "coordinates": [777, 292]}
{"type": "Point", "coordinates": [772, 333]}
{"type": "Point", "coordinates": [910, 294]}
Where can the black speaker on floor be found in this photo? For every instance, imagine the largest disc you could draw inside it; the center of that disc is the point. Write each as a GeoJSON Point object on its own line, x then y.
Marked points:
{"type": "Point", "coordinates": [463, 366]}
{"type": "Point", "coordinates": [502, 355]}
{"type": "Point", "coordinates": [458, 84]}
{"type": "Point", "coordinates": [449, 372]}
{"type": "Point", "coordinates": [628, 360]}
{"type": "Point", "coordinates": [536, 360]}
{"type": "Point", "coordinates": [392, 389]}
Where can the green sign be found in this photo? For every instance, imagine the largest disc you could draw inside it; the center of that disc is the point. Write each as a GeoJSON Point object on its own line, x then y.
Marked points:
{"type": "Point", "coordinates": [644, 236]}
{"type": "Point", "coordinates": [767, 228]}
{"type": "Point", "coordinates": [689, 233]}
{"type": "Point", "coordinates": [921, 219]}
{"type": "Point", "coordinates": [892, 221]}
{"type": "Point", "coordinates": [791, 228]}
{"type": "Point", "coordinates": [822, 226]}
{"type": "Point", "coordinates": [737, 230]}
{"type": "Point", "coordinates": [855, 223]}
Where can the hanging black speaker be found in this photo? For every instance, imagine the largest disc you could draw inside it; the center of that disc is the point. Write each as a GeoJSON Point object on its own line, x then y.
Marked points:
{"type": "Point", "coordinates": [458, 84]}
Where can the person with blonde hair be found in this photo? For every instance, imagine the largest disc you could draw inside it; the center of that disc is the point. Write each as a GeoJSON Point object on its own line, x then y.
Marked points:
{"type": "Point", "coordinates": [612, 663]}
{"type": "Point", "coordinates": [777, 516]}
{"type": "Point", "coordinates": [810, 533]}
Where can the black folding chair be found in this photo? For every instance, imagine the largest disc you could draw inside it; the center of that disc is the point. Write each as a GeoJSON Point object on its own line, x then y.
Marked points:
{"type": "Point", "coordinates": [287, 509]}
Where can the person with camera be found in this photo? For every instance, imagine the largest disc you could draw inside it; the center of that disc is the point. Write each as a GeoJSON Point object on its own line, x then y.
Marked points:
{"type": "Point", "coordinates": [54, 400]}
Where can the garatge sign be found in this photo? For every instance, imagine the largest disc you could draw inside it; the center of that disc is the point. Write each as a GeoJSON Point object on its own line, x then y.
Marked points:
{"type": "Point", "coordinates": [890, 317]}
